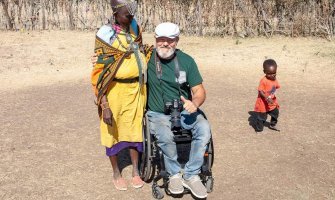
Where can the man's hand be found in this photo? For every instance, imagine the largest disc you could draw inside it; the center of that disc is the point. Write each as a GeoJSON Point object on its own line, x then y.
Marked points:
{"type": "Point", "coordinates": [94, 59]}
{"type": "Point", "coordinates": [188, 105]}
{"type": "Point", "coordinates": [107, 116]}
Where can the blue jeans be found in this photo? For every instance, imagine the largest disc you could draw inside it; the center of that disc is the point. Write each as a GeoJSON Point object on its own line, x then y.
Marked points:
{"type": "Point", "coordinates": [160, 126]}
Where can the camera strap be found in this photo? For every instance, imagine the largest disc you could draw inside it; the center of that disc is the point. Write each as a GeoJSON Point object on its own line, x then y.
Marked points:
{"type": "Point", "coordinates": [159, 71]}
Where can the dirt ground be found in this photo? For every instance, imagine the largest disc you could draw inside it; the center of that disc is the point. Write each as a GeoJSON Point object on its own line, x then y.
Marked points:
{"type": "Point", "coordinates": [50, 145]}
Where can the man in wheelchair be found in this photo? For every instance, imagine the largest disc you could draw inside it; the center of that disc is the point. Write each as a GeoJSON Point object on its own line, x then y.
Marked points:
{"type": "Point", "coordinates": [175, 93]}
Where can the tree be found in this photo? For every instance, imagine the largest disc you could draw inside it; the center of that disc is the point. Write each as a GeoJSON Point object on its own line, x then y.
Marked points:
{"type": "Point", "coordinates": [10, 20]}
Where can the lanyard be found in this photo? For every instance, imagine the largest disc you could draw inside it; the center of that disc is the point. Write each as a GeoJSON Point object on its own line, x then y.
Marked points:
{"type": "Point", "coordinates": [159, 72]}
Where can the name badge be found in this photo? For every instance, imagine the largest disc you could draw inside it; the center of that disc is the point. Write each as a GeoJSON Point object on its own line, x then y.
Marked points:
{"type": "Point", "coordinates": [182, 77]}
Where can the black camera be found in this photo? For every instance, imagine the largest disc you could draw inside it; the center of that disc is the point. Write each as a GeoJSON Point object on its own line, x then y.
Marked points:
{"type": "Point", "coordinates": [174, 108]}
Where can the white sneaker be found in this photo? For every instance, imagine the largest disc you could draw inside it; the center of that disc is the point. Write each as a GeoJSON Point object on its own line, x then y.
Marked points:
{"type": "Point", "coordinates": [195, 185]}
{"type": "Point", "coordinates": [176, 184]}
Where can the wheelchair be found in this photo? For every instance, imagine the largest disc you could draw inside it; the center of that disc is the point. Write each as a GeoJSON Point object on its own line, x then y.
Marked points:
{"type": "Point", "coordinates": [152, 166]}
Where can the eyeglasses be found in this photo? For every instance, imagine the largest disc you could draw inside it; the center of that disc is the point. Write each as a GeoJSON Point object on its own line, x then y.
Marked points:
{"type": "Point", "coordinates": [164, 39]}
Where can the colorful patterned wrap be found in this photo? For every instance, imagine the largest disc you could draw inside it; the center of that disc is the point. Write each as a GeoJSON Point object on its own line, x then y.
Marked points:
{"type": "Point", "coordinates": [127, 100]}
{"type": "Point", "coordinates": [110, 59]}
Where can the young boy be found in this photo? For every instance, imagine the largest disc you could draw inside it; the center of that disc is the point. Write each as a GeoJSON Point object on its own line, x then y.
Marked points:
{"type": "Point", "coordinates": [266, 102]}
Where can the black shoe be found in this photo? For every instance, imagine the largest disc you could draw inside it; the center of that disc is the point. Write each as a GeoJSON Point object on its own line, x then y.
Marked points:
{"type": "Point", "coordinates": [258, 131]}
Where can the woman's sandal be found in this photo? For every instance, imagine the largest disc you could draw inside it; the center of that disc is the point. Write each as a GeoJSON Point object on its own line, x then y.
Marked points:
{"type": "Point", "coordinates": [137, 182]}
{"type": "Point", "coordinates": [120, 184]}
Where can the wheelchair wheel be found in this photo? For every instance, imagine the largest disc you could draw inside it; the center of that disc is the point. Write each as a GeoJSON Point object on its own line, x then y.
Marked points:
{"type": "Point", "coordinates": [211, 153]}
{"type": "Point", "coordinates": [209, 184]}
{"type": "Point", "coordinates": [210, 148]}
{"type": "Point", "coordinates": [157, 192]}
{"type": "Point", "coordinates": [146, 164]}
{"type": "Point", "coordinates": [208, 179]}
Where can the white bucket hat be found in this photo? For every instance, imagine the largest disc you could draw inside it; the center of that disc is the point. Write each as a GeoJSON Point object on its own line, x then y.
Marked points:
{"type": "Point", "coordinates": [167, 29]}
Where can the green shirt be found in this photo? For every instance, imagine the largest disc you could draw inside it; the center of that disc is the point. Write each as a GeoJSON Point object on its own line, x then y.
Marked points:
{"type": "Point", "coordinates": [166, 89]}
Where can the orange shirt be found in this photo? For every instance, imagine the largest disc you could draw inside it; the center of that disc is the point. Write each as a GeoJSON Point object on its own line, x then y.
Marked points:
{"type": "Point", "coordinates": [269, 88]}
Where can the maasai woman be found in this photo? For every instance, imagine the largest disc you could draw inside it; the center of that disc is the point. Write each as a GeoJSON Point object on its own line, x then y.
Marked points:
{"type": "Point", "coordinates": [119, 78]}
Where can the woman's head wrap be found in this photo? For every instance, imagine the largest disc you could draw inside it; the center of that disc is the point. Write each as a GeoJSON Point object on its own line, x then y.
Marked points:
{"type": "Point", "coordinates": [131, 5]}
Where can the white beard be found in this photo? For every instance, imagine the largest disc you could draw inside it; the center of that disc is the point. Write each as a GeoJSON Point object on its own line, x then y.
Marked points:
{"type": "Point", "coordinates": [165, 54]}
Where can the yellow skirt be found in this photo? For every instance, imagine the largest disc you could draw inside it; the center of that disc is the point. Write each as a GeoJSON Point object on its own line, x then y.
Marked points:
{"type": "Point", "coordinates": [127, 102]}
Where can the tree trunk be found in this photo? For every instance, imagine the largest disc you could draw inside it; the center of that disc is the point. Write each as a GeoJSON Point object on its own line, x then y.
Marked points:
{"type": "Point", "coordinates": [4, 4]}
{"type": "Point", "coordinates": [70, 13]}
{"type": "Point", "coordinates": [199, 18]}
{"type": "Point", "coordinates": [43, 14]}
